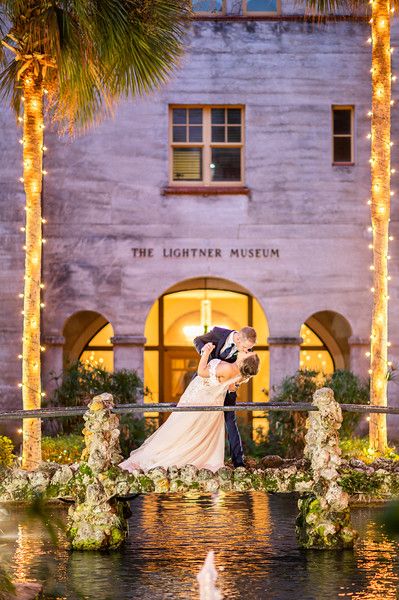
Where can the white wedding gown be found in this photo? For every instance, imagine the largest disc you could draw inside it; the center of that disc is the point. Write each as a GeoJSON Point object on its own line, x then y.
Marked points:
{"type": "Point", "coordinates": [188, 438]}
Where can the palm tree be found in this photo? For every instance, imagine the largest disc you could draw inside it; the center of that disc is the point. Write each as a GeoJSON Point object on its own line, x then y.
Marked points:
{"type": "Point", "coordinates": [380, 210]}
{"type": "Point", "coordinates": [71, 60]}
{"type": "Point", "coordinates": [380, 193]}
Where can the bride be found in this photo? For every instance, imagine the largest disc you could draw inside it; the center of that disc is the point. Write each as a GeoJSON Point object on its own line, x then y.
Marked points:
{"type": "Point", "coordinates": [197, 437]}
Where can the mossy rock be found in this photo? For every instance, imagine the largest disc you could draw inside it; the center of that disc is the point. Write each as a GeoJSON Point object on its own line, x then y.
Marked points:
{"type": "Point", "coordinates": [269, 483]}
{"type": "Point", "coordinates": [319, 529]}
{"type": "Point", "coordinates": [360, 482]}
{"type": "Point", "coordinates": [146, 484]}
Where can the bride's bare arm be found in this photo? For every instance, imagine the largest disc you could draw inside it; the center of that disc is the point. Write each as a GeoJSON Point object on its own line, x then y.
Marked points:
{"type": "Point", "coordinates": [203, 367]}
{"type": "Point", "coordinates": [224, 370]}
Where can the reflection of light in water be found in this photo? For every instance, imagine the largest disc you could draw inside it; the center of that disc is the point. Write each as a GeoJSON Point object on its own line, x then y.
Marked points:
{"type": "Point", "coordinates": [170, 535]}
{"type": "Point", "coordinates": [376, 560]}
{"type": "Point", "coordinates": [34, 557]}
{"type": "Point", "coordinates": [218, 499]}
{"type": "Point", "coordinates": [28, 547]}
{"type": "Point", "coordinates": [185, 528]}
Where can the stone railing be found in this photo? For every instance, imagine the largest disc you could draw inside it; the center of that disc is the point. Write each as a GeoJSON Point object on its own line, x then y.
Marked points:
{"type": "Point", "coordinates": [98, 488]}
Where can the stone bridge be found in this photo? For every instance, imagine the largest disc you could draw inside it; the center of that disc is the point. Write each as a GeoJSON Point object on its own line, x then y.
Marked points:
{"type": "Point", "coordinates": [98, 489]}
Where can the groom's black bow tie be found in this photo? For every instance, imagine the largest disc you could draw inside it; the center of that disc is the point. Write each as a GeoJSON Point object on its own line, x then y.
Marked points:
{"type": "Point", "coordinates": [226, 352]}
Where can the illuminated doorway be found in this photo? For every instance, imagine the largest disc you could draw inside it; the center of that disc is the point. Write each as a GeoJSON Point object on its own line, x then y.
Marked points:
{"type": "Point", "coordinates": [314, 354]}
{"type": "Point", "coordinates": [189, 310]}
{"type": "Point", "coordinates": [98, 351]}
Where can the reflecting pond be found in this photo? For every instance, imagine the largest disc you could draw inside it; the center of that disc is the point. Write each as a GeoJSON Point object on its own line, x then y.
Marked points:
{"type": "Point", "coordinates": [254, 541]}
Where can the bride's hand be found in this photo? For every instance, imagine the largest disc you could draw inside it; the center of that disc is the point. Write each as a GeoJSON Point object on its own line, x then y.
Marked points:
{"type": "Point", "coordinates": [207, 348]}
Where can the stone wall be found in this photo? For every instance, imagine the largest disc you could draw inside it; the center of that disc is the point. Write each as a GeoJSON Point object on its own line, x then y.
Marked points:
{"type": "Point", "coordinates": [103, 194]}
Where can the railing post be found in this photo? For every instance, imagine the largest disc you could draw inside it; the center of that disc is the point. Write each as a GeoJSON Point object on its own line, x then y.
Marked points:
{"type": "Point", "coordinates": [324, 517]}
{"type": "Point", "coordinates": [97, 522]}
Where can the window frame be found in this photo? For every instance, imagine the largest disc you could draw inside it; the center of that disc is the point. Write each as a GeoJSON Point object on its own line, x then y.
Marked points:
{"type": "Point", "coordinates": [259, 13]}
{"type": "Point", "coordinates": [205, 13]}
{"type": "Point", "coordinates": [206, 146]}
{"type": "Point", "coordinates": [350, 107]}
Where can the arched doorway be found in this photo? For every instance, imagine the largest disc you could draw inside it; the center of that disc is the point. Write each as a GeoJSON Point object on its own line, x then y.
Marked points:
{"type": "Point", "coordinates": [88, 339]}
{"type": "Point", "coordinates": [325, 345]}
{"type": "Point", "coordinates": [190, 309]}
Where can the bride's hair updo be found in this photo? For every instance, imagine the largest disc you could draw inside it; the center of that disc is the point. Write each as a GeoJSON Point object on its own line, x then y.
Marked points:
{"type": "Point", "coordinates": [250, 365]}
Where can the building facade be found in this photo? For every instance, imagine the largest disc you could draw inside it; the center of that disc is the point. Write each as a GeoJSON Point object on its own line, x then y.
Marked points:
{"type": "Point", "coordinates": [237, 194]}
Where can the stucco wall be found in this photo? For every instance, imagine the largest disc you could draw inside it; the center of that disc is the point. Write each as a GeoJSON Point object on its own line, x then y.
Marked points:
{"type": "Point", "coordinates": [103, 194]}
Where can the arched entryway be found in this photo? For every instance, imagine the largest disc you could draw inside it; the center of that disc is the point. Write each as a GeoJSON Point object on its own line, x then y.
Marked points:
{"type": "Point", "coordinates": [88, 339]}
{"type": "Point", "coordinates": [325, 345]}
{"type": "Point", "coordinates": [189, 309]}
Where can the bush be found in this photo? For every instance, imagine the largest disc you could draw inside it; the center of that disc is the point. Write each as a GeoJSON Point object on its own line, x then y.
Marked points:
{"type": "Point", "coordinates": [7, 456]}
{"type": "Point", "coordinates": [80, 382]}
{"type": "Point", "coordinates": [134, 432]}
{"type": "Point", "coordinates": [356, 447]}
{"type": "Point", "coordinates": [64, 449]}
{"type": "Point", "coordinates": [256, 448]}
{"type": "Point", "coordinates": [287, 429]}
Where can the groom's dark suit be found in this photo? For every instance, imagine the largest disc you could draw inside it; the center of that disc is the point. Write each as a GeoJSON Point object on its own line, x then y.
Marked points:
{"type": "Point", "coordinates": [218, 336]}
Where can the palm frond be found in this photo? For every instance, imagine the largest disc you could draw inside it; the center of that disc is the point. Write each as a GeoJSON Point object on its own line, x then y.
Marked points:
{"type": "Point", "coordinates": [331, 8]}
{"type": "Point", "coordinates": [102, 49]}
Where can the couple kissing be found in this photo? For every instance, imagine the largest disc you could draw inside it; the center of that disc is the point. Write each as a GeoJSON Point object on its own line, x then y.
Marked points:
{"type": "Point", "coordinates": [197, 437]}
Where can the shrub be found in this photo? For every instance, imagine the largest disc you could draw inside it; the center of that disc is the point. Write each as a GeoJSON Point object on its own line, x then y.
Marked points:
{"type": "Point", "coordinates": [79, 382]}
{"type": "Point", "coordinates": [287, 429]}
{"type": "Point", "coordinates": [64, 449]}
{"type": "Point", "coordinates": [255, 448]}
{"type": "Point", "coordinates": [134, 432]}
{"type": "Point", "coordinates": [356, 447]}
{"type": "Point", "coordinates": [7, 456]}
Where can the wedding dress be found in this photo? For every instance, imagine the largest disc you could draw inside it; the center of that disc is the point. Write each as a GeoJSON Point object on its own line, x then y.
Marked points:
{"type": "Point", "coordinates": [188, 438]}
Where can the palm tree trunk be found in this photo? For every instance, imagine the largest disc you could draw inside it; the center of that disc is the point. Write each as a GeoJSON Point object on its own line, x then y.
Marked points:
{"type": "Point", "coordinates": [380, 206]}
{"type": "Point", "coordinates": [32, 155]}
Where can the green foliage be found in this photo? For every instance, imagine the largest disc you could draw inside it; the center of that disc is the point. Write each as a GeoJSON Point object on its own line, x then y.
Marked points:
{"type": "Point", "coordinates": [355, 482]}
{"type": "Point", "coordinates": [356, 447]}
{"type": "Point", "coordinates": [88, 54]}
{"type": "Point", "coordinates": [258, 448]}
{"type": "Point", "coordinates": [7, 456]}
{"type": "Point", "coordinates": [287, 429]}
{"type": "Point", "coordinates": [63, 449]}
{"type": "Point", "coordinates": [348, 389]}
{"type": "Point", "coordinates": [67, 448]}
{"type": "Point", "coordinates": [80, 382]}
{"type": "Point", "coordinates": [134, 432]}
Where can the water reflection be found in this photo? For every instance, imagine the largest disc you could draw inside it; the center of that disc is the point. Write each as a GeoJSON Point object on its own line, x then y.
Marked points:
{"type": "Point", "coordinates": [254, 541]}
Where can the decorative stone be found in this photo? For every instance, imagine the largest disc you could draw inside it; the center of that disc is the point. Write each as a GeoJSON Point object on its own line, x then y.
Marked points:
{"type": "Point", "coordinates": [272, 461]}
{"type": "Point", "coordinates": [324, 517]}
{"type": "Point", "coordinates": [62, 476]}
{"type": "Point", "coordinates": [24, 591]}
{"type": "Point", "coordinates": [97, 521]}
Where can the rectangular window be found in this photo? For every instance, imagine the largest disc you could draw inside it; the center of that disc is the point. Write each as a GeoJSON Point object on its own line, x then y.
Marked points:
{"type": "Point", "coordinates": [261, 7]}
{"type": "Point", "coordinates": [208, 7]}
{"type": "Point", "coordinates": [342, 126]}
{"type": "Point", "coordinates": [206, 144]}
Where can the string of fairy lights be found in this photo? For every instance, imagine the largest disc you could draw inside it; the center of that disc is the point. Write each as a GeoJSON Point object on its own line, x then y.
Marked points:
{"type": "Point", "coordinates": [41, 240]}
{"type": "Point", "coordinates": [33, 254]}
{"type": "Point", "coordinates": [382, 25]}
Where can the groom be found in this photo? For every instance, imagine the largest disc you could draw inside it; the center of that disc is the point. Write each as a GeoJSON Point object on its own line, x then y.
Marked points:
{"type": "Point", "coordinates": [227, 344]}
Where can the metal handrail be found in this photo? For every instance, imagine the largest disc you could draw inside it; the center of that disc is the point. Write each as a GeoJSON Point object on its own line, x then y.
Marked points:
{"type": "Point", "coordinates": [69, 411]}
